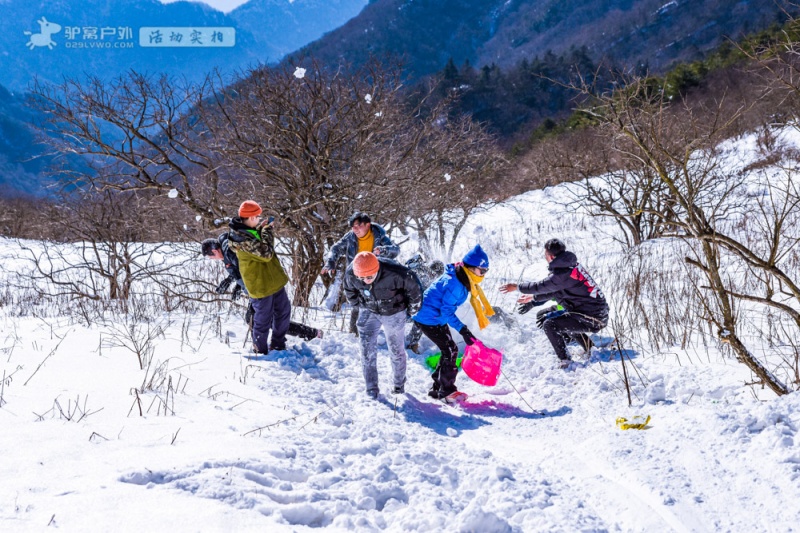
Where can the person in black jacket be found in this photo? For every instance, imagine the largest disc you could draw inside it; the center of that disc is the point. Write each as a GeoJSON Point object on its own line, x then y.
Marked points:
{"type": "Point", "coordinates": [581, 306]}
{"type": "Point", "coordinates": [364, 236]}
{"type": "Point", "coordinates": [384, 292]}
{"type": "Point", "coordinates": [218, 249]}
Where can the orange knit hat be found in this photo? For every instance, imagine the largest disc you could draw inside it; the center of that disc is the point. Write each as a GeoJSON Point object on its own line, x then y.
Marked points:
{"type": "Point", "coordinates": [249, 209]}
{"type": "Point", "coordinates": [365, 264]}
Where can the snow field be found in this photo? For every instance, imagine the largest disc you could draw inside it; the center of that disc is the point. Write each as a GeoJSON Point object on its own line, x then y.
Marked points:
{"type": "Point", "coordinates": [290, 441]}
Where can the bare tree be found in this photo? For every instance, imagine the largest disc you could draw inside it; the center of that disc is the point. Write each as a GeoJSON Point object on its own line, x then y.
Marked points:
{"type": "Point", "coordinates": [310, 144]}
{"type": "Point", "coordinates": [457, 171]}
{"type": "Point", "coordinates": [107, 255]}
{"type": "Point", "coordinates": [679, 146]}
{"type": "Point", "coordinates": [136, 133]}
{"type": "Point", "coordinates": [316, 145]}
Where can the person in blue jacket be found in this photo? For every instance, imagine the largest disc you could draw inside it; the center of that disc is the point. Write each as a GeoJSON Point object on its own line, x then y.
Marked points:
{"type": "Point", "coordinates": [438, 314]}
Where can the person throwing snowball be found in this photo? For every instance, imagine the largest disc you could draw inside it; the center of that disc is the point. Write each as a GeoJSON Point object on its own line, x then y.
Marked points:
{"type": "Point", "coordinates": [438, 314]}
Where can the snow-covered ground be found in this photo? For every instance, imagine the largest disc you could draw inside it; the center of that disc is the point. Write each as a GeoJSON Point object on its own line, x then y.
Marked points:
{"type": "Point", "coordinates": [290, 441]}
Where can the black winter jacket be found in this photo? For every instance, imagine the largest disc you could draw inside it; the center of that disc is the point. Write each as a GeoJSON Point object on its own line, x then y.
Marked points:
{"type": "Point", "coordinates": [395, 289]}
{"type": "Point", "coordinates": [230, 260]}
{"type": "Point", "coordinates": [571, 286]}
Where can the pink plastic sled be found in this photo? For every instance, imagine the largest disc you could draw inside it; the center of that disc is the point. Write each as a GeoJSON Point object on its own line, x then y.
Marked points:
{"type": "Point", "coordinates": [482, 364]}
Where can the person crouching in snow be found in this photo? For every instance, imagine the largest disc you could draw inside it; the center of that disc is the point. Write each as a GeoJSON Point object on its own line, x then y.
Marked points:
{"type": "Point", "coordinates": [438, 314]}
{"type": "Point", "coordinates": [382, 290]}
{"type": "Point", "coordinates": [581, 305]}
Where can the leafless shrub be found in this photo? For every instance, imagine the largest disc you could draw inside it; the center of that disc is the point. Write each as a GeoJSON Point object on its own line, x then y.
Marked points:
{"type": "Point", "coordinates": [71, 412]}
{"type": "Point", "coordinates": [675, 152]}
{"type": "Point", "coordinates": [654, 294]}
{"type": "Point", "coordinates": [136, 337]}
{"type": "Point", "coordinates": [48, 356]}
{"type": "Point", "coordinates": [7, 380]}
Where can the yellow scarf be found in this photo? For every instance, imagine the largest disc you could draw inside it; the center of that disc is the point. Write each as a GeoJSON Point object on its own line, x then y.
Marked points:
{"type": "Point", "coordinates": [478, 299]}
{"type": "Point", "coordinates": [366, 243]}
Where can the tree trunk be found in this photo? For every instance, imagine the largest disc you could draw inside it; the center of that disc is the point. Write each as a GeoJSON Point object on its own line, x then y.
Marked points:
{"type": "Point", "coordinates": [305, 269]}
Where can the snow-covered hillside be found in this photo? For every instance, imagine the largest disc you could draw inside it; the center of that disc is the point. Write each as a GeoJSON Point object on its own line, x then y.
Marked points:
{"type": "Point", "coordinates": [290, 441]}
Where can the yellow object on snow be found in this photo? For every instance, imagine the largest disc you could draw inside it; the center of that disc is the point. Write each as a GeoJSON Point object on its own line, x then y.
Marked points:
{"type": "Point", "coordinates": [637, 422]}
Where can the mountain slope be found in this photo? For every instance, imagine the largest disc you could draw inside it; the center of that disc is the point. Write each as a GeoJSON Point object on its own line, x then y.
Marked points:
{"type": "Point", "coordinates": [651, 32]}
{"type": "Point", "coordinates": [101, 38]}
{"type": "Point", "coordinates": [279, 27]}
{"type": "Point", "coordinates": [212, 438]}
{"type": "Point", "coordinates": [426, 33]}
{"type": "Point", "coordinates": [19, 164]}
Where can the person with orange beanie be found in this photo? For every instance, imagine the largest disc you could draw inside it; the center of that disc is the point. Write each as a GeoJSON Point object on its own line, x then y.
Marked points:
{"type": "Point", "coordinates": [218, 249]}
{"type": "Point", "coordinates": [384, 291]}
{"type": "Point", "coordinates": [364, 236]}
{"type": "Point", "coordinates": [252, 238]}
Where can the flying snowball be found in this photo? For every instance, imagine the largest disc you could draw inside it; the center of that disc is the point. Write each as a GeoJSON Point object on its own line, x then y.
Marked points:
{"type": "Point", "coordinates": [299, 73]}
{"type": "Point", "coordinates": [173, 193]}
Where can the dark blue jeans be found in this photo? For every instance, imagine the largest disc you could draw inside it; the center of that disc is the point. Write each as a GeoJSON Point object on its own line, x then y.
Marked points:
{"type": "Point", "coordinates": [272, 312]}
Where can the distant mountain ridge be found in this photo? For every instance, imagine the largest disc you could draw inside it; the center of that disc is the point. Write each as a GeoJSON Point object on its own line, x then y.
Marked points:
{"type": "Point", "coordinates": [654, 33]}
{"type": "Point", "coordinates": [71, 38]}
{"type": "Point", "coordinates": [20, 157]}
{"type": "Point", "coordinates": [57, 38]}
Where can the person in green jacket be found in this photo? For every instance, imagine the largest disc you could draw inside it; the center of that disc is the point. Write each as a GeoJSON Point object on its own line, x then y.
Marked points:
{"type": "Point", "coordinates": [251, 237]}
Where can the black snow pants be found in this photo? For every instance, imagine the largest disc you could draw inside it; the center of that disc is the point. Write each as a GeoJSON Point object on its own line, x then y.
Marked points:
{"type": "Point", "coordinates": [444, 376]}
{"type": "Point", "coordinates": [567, 327]}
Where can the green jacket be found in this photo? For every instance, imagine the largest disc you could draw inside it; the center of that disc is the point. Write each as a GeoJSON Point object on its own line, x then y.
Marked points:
{"type": "Point", "coordinates": [259, 266]}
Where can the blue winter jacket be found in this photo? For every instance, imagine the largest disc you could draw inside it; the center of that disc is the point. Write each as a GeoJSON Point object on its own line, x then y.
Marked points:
{"type": "Point", "coordinates": [441, 299]}
{"type": "Point", "coordinates": [348, 246]}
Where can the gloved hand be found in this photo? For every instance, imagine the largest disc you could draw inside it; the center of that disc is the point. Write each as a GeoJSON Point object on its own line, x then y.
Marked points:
{"type": "Point", "coordinates": [547, 314]}
{"type": "Point", "coordinates": [248, 316]}
{"type": "Point", "coordinates": [223, 286]}
{"type": "Point", "coordinates": [527, 306]}
{"type": "Point", "coordinates": [469, 338]}
{"type": "Point", "coordinates": [266, 223]}
{"type": "Point", "coordinates": [237, 291]}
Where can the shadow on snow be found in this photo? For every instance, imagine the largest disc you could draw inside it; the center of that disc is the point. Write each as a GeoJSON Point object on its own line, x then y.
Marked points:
{"type": "Point", "coordinates": [437, 416]}
{"type": "Point", "coordinates": [297, 359]}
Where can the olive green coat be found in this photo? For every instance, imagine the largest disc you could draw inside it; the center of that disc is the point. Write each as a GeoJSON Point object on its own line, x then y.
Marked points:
{"type": "Point", "coordinates": [259, 266]}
